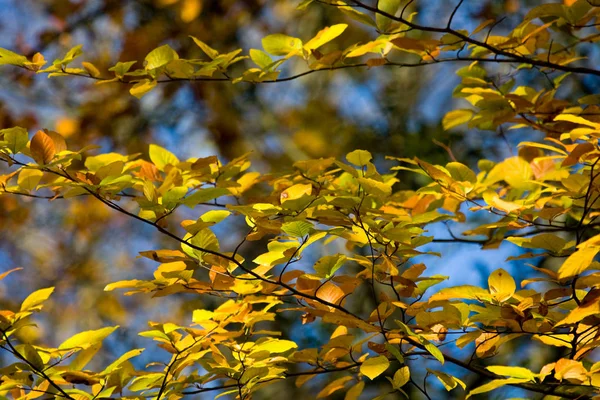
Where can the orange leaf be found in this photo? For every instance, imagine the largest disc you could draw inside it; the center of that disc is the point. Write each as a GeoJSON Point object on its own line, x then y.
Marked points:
{"type": "Point", "coordinates": [42, 148]}
{"type": "Point", "coordinates": [58, 140]}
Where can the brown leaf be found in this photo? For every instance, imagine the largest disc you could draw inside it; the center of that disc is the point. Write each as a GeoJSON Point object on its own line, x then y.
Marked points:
{"type": "Point", "coordinates": [42, 148]}
{"type": "Point", "coordinates": [58, 140]}
{"type": "Point", "coordinates": [376, 62]}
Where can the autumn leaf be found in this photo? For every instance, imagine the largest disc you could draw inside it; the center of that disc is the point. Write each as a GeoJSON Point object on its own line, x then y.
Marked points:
{"type": "Point", "coordinates": [42, 148]}
{"type": "Point", "coordinates": [373, 367]}
{"type": "Point", "coordinates": [502, 286]}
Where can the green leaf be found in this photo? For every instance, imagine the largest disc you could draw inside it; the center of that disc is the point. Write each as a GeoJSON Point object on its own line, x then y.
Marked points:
{"type": "Point", "coordinates": [7, 57]}
{"type": "Point", "coordinates": [374, 187]}
{"type": "Point", "coordinates": [71, 55]}
{"type": "Point", "coordinates": [359, 157]}
{"type": "Point", "coordinates": [327, 265]}
{"type": "Point", "coordinates": [297, 228]}
{"type": "Point", "coordinates": [160, 56]}
{"type": "Point", "coordinates": [121, 68]}
{"type": "Point", "coordinates": [302, 6]}
{"type": "Point", "coordinates": [433, 350]}
{"type": "Point", "coordinates": [83, 340]}
{"type": "Point", "coordinates": [354, 13]}
{"type": "Point", "coordinates": [162, 157]}
{"type": "Point", "coordinates": [260, 58]}
{"type": "Point", "coordinates": [205, 195]}
{"type": "Point", "coordinates": [210, 52]}
{"type": "Point", "coordinates": [390, 7]}
{"type": "Point", "coordinates": [35, 299]}
{"type": "Point", "coordinates": [281, 45]}
{"type": "Point", "coordinates": [205, 239]}
{"type": "Point", "coordinates": [395, 352]}
{"type": "Point", "coordinates": [373, 367]}
{"type": "Point", "coordinates": [29, 179]}
{"type": "Point", "coordinates": [16, 138]}
{"type": "Point", "coordinates": [31, 355]}
{"type": "Point", "coordinates": [461, 172]}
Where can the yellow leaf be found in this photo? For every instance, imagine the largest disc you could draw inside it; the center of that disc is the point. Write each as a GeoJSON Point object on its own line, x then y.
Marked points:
{"type": "Point", "coordinates": [324, 36]}
{"type": "Point", "coordinates": [159, 57]}
{"type": "Point", "coordinates": [577, 262]}
{"type": "Point", "coordinates": [359, 157]}
{"type": "Point", "coordinates": [275, 346]}
{"type": "Point", "coordinates": [460, 292]}
{"type": "Point", "coordinates": [579, 313]}
{"type": "Point", "coordinates": [354, 392]}
{"type": "Point", "coordinates": [495, 384]}
{"type": "Point", "coordinates": [209, 51]}
{"type": "Point", "coordinates": [83, 340]}
{"type": "Point", "coordinates": [461, 172]}
{"type": "Point", "coordinates": [493, 200]}
{"type": "Point", "coordinates": [142, 87]}
{"type": "Point", "coordinates": [571, 370]}
{"type": "Point", "coordinates": [401, 377]}
{"type": "Point", "coordinates": [515, 171]}
{"type": "Point", "coordinates": [333, 387]}
{"type": "Point", "coordinates": [246, 286]}
{"type": "Point", "coordinates": [91, 69]}
{"type": "Point", "coordinates": [456, 117]}
{"type": "Point", "coordinates": [373, 367]}
{"type": "Point", "coordinates": [374, 187]}
{"type": "Point", "coordinates": [513, 372]}
{"type": "Point", "coordinates": [35, 299]}
{"type": "Point", "coordinates": [162, 157]}
{"type": "Point", "coordinates": [575, 119]}
{"type": "Point", "coordinates": [29, 179]}
{"type": "Point", "coordinates": [558, 340]}
{"type": "Point", "coordinates": [449, 381]}
{"type": "Point", "coordinates": [502, 286]}
{"type": "Point", "coordinates": [281, 45]}
{"type": "Point", "coordinates": [295, 192]}
{"type": "Point", "coordinates": [370, 47]}
{"type": "Point", "coordinates": [42, 148]}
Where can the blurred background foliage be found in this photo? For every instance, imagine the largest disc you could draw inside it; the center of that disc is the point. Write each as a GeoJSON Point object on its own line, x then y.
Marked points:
{"type": "Point", "coordinates": [79, 246]}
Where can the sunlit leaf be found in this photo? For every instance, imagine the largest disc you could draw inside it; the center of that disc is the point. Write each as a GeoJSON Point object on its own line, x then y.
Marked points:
{"type": "Point", "coordinates": [373, 367]}
{"type": "Point", "coordinates": [35, 299]}
{"type": "Point", "coordinates": [83, 340]}
{"type": "Point", "coordinates": [577, 262]}
{"type": "Point", "coordinates": [359, 157]}
{"type": "Point", "coordinates": [502, 286]}
{"type": "Point", "coordinates": [42, 148]}
{"type": "Point", "coordinates": [324, 36]}
{"type": "Point", "coordinates": [401, 377]}
{"type": "Point", "coordinates": [281, 45]}
{"type": "Point", "coordinates": [162, 157]}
